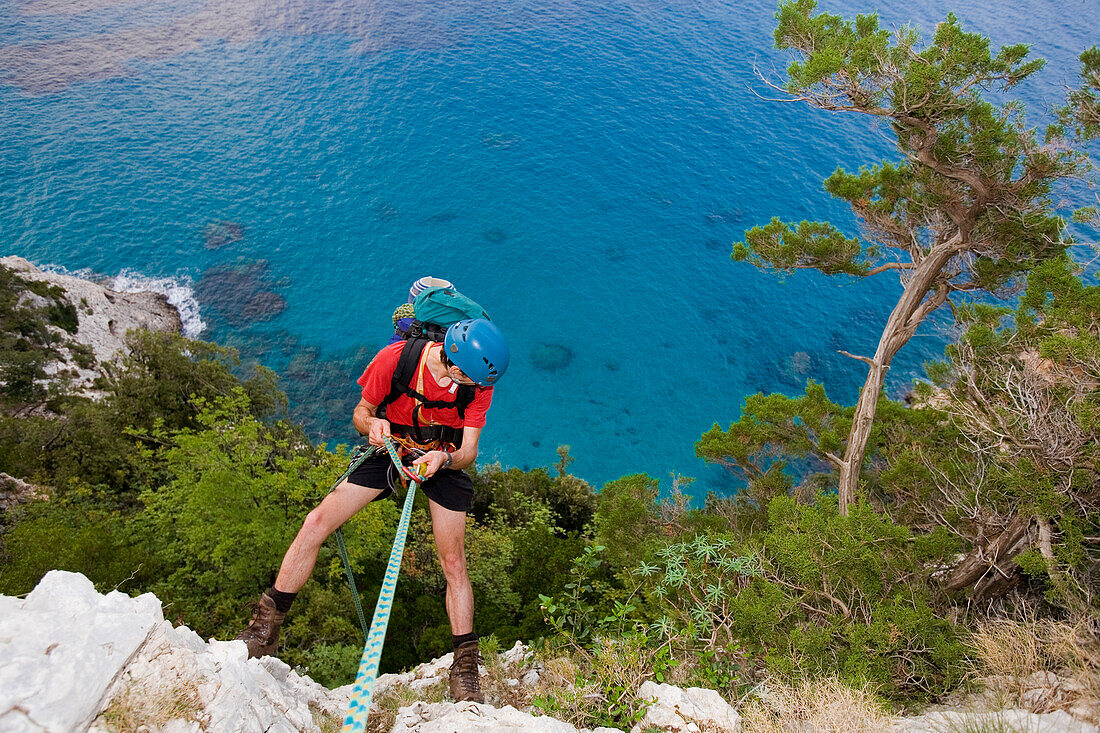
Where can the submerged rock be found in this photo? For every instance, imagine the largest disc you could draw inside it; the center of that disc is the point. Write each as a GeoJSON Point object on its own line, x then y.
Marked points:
{"type": "Point", "coordinates": [218, 234]}
{"type": "Point", "coordinates": [797, 364]}
{"type": "Point", "coordinates": [443, 217]}
{"type": "Point", "coordinates": [499, 139]}
{"type": "Point", "coordinates": [551, 357]}
{"type": "Point", "coordinates": [263, 305]}
{"type": "Point", "coordinates": [241, 292]}
{"type": "Point", "coordinates": [725, 215]}
{"type": "Point", "coordinates": [385, 211]}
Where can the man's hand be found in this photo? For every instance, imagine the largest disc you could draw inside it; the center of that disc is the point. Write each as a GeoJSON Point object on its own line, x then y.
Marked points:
{"type": "Point", "coordinates": [379, 429]}
{"type": "Point", "coordinates": [433, 461]}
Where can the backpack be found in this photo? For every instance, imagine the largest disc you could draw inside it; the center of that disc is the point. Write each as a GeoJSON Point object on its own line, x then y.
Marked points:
{"type": "Point", "coordinates": [435, 309]}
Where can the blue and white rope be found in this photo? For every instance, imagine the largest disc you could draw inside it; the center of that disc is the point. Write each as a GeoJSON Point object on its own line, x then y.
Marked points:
{"type": "Point", "coordinates": [359, 707]}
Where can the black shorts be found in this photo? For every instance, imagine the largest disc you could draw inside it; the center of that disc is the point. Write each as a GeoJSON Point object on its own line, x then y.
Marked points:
{"type": "Point", "coordinates": [450, 488]}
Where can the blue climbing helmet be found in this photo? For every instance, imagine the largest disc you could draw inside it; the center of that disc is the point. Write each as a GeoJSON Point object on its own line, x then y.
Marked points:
{"type": "Point", "coordinates": [478, 348]}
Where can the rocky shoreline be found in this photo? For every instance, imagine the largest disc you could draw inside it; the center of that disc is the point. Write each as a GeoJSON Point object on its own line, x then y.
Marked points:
{"type": "Point", "coordinates": [104, 317]}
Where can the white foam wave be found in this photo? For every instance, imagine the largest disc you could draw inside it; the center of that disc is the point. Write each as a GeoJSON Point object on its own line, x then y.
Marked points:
{"type": "Point", "coordinates": [178, 290]}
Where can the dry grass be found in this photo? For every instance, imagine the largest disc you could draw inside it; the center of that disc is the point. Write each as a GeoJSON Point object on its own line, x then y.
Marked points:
{"type": "Point", "coordinates": [326, 722]}
{"type": "Point", "coordinates": [822, 705]}
{"type": "Point", "coordinates": [384, 707]}
{"type": "Point", "coordinates": [498, 673]}
{"type": "Point", "coordinates": [596, 686]}
{"type": "Point", "coordinates": [1038, 665]}
{"type": "Point", "coordinates": [141, 707]}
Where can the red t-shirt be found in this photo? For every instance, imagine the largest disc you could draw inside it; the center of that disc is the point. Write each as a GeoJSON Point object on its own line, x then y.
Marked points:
{"type": "Point", "coordinates": [376, 382]}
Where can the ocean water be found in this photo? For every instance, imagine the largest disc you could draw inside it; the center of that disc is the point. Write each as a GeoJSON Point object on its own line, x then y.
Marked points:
{"type": "Point", "coordinates": [288, 169]}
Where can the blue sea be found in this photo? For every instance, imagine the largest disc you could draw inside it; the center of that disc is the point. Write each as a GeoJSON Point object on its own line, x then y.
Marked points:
{"type": "Point", "coordinates": [287, 169]}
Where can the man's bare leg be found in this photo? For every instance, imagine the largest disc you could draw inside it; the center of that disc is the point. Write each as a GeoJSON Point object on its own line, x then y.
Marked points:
{"type": "Point", "coordinates": [335, 509]}
{"type": "Point", "coordinates": [262, 633]}
{"type": "Point", "coordinates": [449, 528]}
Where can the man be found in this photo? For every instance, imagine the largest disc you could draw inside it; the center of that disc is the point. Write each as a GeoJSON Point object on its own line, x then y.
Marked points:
{"type": "Point", "coordinates": [442, 407]}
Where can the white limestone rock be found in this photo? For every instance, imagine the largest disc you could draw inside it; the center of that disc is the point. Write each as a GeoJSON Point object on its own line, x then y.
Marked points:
{"type": "Point", "coordinates": [15, 491]}
{"type": "Point", "coordinates": [62, 647]}
{"type": "Point", "coordinates": [440, 667]}
{"type": "Point", "coordinates": [517, 655]}
{"type": "Point", "coordinates": [1022, 720]}
{"type": "Point", "coordinates": [214, 686]}
{"type": "Point", "coordinates": [692, 710]}
{"type": "Point", "coordinates": [73, 658]}
{"type": "Point", "coordinates": [104, 316]}
{"type": "Point", "coordinates": [448, 717]}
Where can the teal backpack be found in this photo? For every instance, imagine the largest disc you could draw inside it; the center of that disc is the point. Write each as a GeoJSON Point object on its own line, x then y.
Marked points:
{"type": "Point", "coordinates": [438, 308]}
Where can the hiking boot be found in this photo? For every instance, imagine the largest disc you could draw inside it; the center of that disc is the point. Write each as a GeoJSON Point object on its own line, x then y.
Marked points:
{"type": "Point", "coordinates": [464, 676]}
{"type": "Point", "coordinates": [262, 634]}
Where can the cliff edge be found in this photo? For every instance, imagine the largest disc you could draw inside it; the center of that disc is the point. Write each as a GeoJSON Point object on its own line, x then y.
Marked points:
{"type": "Point", "coordinates": [104, 316]}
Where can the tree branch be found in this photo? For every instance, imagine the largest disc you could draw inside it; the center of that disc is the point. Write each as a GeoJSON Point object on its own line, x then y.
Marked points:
{"type": "Point", "coordinates": [892, 266]}
{"type": "Point", "coordinates": [865, 359]}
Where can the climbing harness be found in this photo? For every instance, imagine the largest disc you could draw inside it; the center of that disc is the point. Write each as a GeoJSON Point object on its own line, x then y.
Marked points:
{"type": "Point", "coordinates": [359, 706]}
{"type": "Point", "coordinates": [408, 380]}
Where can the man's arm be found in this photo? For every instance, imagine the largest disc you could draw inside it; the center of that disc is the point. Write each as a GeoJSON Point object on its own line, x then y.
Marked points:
{"type": "Point", "coordinates": [467, 454]}
{"type": "Point", "coordinates": [368, 424]}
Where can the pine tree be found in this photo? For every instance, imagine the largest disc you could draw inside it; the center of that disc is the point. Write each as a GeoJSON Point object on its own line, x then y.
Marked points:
{"type": "Point", "coordinates": [967, 208]}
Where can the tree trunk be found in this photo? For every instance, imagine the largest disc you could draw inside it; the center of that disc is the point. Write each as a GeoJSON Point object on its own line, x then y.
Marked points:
{"type": "Point", "coordinates": [992, 569]}
{"type": "Point", "coordinates": [912, 308]}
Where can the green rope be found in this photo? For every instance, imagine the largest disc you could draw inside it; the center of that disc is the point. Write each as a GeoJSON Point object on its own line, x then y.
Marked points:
{"type": "Point", "coordinates": [362, 454]}
{"type": "Point", "coordinates": [351, 582]}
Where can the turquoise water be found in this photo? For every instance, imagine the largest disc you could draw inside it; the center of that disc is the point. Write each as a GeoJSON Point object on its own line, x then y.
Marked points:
{"type": "Point", "coordinates": [580, 169]}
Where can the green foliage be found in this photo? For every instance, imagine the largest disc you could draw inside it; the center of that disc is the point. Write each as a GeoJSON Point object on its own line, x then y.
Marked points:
{"type": "Point", "coordinates": [75, 533]}
{"type": "Point", "coordinates": [164, 372]}
{"type": "Point", "coordinates": [603, 691]}
{"type": "Point", "coordinates": [233, 502]}
{"type": "Point", "coordinates": [1022, 390]}
{"type": "Point", "coordinates": [1083, 110]}
{"type": "Point", "coordinates": [571, 500]}
{"type": "Point", "coordinates": [783, 247]}
{"type": "Point", "coordinates": [967, 161]}
{"type": "Point", "coordinates": [331, 664]}
{"type": "Point", "coordinates": [110, 444]}
{"type": "Point", "coordinates": [29, 312]}
{"type": "Point", "coordinates": [968, 206]}
{"type": "Point", "coordinates": [573, 613]}
{"type": "Point", "coordinates": [696, 580]}
{"type": "Point", "coordinates": [627, 520]}
{"type": "Point", "coordinates": [851, 594]}
{"type": "Point", "coordinates": [773, 430]}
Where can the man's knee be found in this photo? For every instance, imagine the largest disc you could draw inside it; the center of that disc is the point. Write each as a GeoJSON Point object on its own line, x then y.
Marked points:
{"type": "Point", "coordinates": [333, 511]}
{"type": "Point", "coordinates": [317, 526]}
{"type": "Point", "coordinates": [454, 565]}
